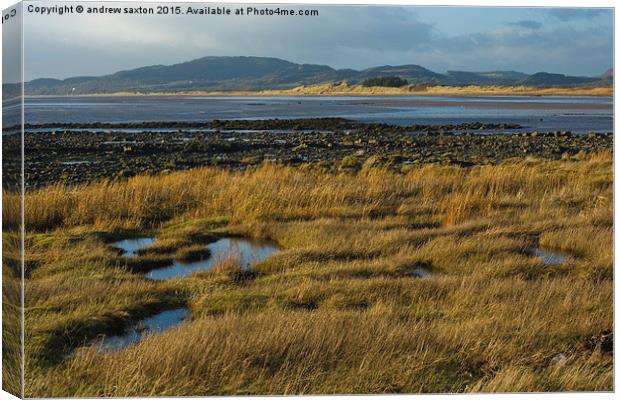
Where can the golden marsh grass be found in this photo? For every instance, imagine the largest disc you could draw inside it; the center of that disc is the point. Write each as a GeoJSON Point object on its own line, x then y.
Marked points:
{"type": "Point", "coordinates": [339, 309]}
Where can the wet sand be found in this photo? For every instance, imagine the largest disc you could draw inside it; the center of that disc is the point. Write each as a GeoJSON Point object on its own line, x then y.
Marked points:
{"type": "Point", "coordinates": [491, 104]}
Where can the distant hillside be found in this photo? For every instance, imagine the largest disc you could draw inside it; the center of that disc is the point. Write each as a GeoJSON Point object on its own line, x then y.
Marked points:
{"type": "Point", "coordinates": [547, 79]}
{"type": "Point", "coordinates": [266, 73]}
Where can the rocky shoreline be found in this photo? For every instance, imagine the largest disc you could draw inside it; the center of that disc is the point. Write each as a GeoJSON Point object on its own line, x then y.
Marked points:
{"type": "Point", "coordinates": [80, 153]}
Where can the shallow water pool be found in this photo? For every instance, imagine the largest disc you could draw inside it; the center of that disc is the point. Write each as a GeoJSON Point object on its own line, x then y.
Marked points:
{"type": "Point", "coordinates": [247, 252]}
{"type": "Point", "coordinates": [131, 246]}
{"type": "Point", "coordinates": [157, 323]}
{"type": "Point", "coordinates": [549, 257]}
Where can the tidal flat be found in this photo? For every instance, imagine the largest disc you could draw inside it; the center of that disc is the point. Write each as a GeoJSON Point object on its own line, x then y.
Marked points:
{"type": "Point", "coordinates": [85, 152]}
{"type": "Point", "coordinates": [390, 277]}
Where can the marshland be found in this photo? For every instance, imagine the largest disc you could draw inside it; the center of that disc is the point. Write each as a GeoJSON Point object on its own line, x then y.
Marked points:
{"type": "Point", "coordinates": [381, 278]}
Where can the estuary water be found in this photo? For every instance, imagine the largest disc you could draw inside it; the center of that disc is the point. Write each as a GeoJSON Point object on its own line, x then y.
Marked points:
{"type": "Point", "coordinates": [541, 113]}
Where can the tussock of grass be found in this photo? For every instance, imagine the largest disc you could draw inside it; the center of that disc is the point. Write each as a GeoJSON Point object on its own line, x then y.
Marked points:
{"type": "Point", "coordinates": [230, 271]}
{"type": "Point", "coordinates": [165, 245]}
{"type": "Point", "coordinates": [145, 262]}
{"type": "Point", "coordinates": [339, 309]}
{"type": "Point", "coordinates": [194, 252]}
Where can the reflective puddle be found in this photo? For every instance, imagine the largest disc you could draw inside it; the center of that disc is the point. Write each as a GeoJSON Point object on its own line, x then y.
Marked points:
{"type": "Point", "coordinates": [157, 323]}
{"type": "Point", "coordinates": [79, 162]}
{"type": "Point", "coordinates": [549, 257]}
{"type": "Point", "coordinates": [246, 252]}
{"type": "Point", "coordinates": [131, 246]}
{"type": "Point", "coordinates": [420, 272]}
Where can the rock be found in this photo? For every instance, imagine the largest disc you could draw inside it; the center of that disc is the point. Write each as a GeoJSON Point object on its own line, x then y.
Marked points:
{"type": "Point", "coordinates": [559, 359]}
{"type": "Point", "coordinates": [186, 145]}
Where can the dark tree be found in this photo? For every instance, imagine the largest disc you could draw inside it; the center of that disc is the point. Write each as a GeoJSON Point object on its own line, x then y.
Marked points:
{"type": "Point", "coordinates": [385, 81]}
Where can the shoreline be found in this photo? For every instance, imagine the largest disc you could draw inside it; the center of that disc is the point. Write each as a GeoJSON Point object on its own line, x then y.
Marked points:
{"type": "Point", "coordinates": [344, 90]}
{"type": "Point", "coordinates": [75, 155]}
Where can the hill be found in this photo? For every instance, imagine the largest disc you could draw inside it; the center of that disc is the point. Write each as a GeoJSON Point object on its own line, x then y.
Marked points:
{"type": "Point", "coordinates": [268, 73]}
{"type": "Point", "coordinates": [547, 79]}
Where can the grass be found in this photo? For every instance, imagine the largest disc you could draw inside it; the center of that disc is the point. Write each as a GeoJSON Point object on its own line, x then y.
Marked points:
{"type": "Point", "coordinates": [339, 309]}
{"type": "Point", "coordinates": [190, 253]}
{"type": "Point", "coordinates": [344, 89]}
{"type": "Point", "coordinates": [11, 314]}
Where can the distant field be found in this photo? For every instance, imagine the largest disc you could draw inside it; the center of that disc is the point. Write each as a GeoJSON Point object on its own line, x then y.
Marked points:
{"type": "Point", "coordinates": [409, 90]}
{"type": "Point", "coordinates": [343, 308]}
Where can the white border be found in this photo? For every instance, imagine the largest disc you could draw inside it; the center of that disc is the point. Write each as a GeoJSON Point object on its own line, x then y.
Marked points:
{"type": "Point", "coordinates": [489, 3]}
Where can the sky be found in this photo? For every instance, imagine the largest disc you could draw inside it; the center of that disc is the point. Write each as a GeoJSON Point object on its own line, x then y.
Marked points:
{"type": "Point", "coordinates": [568, 41]}
{"type": "Point", "coordinates": [11, 48]}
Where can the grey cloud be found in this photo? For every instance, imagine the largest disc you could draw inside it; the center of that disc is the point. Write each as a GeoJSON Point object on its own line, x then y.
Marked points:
{"type": "Point", "coordinates": [342, 37]}
{"type": "Point", "coordinates": [565, 50]}
{"type": "Point", "coordinates": [567, 14]}
{"type": "Point", "coordinates": [528, 24]}
{"type": "Point", "coordinates": [353, 37]}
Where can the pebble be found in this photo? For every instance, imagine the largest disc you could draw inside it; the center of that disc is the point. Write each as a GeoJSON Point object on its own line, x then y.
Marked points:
{"type": "Point", "coordinates": [100, 150]}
